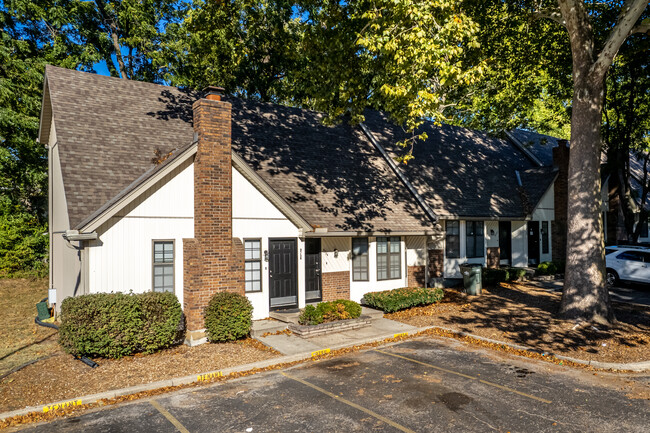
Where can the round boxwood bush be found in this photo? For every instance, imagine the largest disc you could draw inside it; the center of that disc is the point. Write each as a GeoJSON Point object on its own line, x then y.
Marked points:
{"type": "Point", "coordinates": [228, 317]}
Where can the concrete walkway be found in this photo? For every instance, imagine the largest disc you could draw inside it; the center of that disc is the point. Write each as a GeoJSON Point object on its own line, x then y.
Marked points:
{"type": "Point", "coordinates": [292, 344]}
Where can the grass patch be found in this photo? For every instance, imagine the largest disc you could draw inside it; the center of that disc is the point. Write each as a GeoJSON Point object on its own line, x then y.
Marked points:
{"type": "Point", "coordinates": [21, 340]}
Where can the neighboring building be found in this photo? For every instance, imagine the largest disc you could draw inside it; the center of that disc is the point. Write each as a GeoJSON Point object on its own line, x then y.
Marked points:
{"type": "Point", "coordinates": [152, 188]}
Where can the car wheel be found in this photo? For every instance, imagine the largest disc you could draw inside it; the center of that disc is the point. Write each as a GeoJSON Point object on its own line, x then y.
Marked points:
{"type": "Point", "coordinates": [612, 277]}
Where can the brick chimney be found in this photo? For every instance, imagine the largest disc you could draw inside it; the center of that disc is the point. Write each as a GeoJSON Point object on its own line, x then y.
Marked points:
{"type": "Point", "coordinates": [559, 226]}
{"type": "Point", "coordinates": [213, 259]}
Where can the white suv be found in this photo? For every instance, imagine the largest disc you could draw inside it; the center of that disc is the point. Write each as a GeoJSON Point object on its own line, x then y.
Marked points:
{"type": "Point", "coordinates": [628, 264]}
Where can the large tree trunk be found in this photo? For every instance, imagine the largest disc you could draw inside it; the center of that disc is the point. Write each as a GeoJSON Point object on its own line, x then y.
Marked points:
{"type": "Point", "coordinates": [585, 294]}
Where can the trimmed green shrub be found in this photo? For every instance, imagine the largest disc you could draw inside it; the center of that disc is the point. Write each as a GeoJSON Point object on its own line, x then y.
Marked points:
{"type": "Point", "coordinates": [112, 325]}
{"type": "Point", "coordinates": [310, 316]}
{"type": "Point", "coordinates": [546, 268]}
{"type": "Point", "coordinates": [399, 299]}
{"type": "Point", "coordinates": [491, 277]}
{"type": "Point", "coordinates": [515, 274]}
{"type": "Point", "coordinates": [228, 317]}
{"type": "Point", "coordinates": [341, 309]}
{"type": "Point", "coordinates": [550, 268]}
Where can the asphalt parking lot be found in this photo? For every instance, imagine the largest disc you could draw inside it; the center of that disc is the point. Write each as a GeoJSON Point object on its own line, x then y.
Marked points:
{"type": "Point", "coordinates": [421, 385]}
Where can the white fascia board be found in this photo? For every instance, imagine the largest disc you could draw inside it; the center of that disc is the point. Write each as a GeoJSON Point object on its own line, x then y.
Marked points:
{"type": "Point", "coordinates": [270, 194]}
{"type": "Point", "coordinates": [365, 234]}
{"type": "Point", "coordinates": [128, 198]}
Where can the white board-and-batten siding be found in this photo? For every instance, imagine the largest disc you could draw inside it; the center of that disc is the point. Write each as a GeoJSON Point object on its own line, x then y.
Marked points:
{"type": "Point", "coordinates": [121, 259]}
{"type": "Point", "coordinates": [255, 217]}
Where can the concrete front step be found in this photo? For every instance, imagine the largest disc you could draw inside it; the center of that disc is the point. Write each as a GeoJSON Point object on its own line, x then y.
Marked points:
{"type": "Point", "coordinates": [287, 316]}
{"type": "Point", "coordinates": [261, 327]}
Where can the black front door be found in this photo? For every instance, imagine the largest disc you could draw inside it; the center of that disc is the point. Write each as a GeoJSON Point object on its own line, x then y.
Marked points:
{"type": "Point", "coordinates": [283, 281]}
{"type": "Point", "coordinates": [312, 271]}
{"type": "Point", "coordinates": [533, 242]}
{"type": "Point", "coordinates": [505, 241]}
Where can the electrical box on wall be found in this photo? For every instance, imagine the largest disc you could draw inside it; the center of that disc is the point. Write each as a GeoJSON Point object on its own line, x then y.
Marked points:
{"type": "Point", "coordinates": [51, 296]}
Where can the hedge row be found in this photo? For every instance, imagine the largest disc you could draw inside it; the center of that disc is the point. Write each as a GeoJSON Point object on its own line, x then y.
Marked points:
{"type": "Point", "coordinates": [399, 299]}
{"type": "Point", "coordinates": [501, 275]}
{"type": "Point", "coordinates": [112, 325]}
{"type": "Point", "coordinates": [341, 309]}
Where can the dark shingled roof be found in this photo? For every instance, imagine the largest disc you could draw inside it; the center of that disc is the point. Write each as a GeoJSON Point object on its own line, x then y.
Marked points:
{"type": "Point", "coordinates": [539, 145]}
{"type": "Point", "coordinates": [108, 130]}
{"type": "Point", "coordinates": [465, 173]}
{"type": "Point", "coordinates": [331, 175]}
{"type": "Point", "coordinates": [107, 134]}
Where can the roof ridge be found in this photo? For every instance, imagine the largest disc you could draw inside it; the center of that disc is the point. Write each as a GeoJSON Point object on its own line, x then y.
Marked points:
{"type": "Point", "coordinates": [110, 77]}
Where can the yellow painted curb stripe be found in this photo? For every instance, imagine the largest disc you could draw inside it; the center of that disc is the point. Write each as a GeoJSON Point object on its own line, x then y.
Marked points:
{"type": "Point", "coordinates": [320, 352]}
{"type": "Point", "coordinates": [354, 405]}
{"type": "Point", "coordinates": [505, 388]}
{"type": "Point", "coordinates": [401, 334]}
{"type": "Point", "coordinates": [64, 405]}
{"type": "Point", "coordinates": [208, 376]}
{"type": "Point", "coordinates": [180, 427]}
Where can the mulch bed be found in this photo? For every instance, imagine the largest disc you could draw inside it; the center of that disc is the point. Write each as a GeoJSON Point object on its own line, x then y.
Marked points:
{"type": "Point", "coordinates": [525, 314]}
{"type": "Point", "coordinates": [60, 377]}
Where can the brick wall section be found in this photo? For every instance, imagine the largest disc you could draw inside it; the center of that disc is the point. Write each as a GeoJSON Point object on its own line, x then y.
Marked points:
{"type": "Point", "coordinates": [416, 276]}
{"type": "Point", "coordinates": [336, 285]}
{"type": "Point", "coordinates": [436, 263]}
{"type": "Point", "coordinates": [493, 259]}
{"type": "Point", "coordinates": [559, 226]}
{"type": "Point", "coordinates": [213, 260]}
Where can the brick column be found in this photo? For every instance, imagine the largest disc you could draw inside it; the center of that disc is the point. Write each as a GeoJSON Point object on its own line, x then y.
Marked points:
{"type": "Point", "coordinates": [559, 226]}
{"type": "Point", "coordinates": [213, 260]}
{"type": "Point", "coordinates": [436, 263]}
{"type": "Point", "coordinates": [415, 276]}
{"type": "Point", "coordinates": [493, 257]}
{"type": "Point", "coordinates": [336, 285]}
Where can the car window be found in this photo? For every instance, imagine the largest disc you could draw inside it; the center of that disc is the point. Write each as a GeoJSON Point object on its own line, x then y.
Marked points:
{"type": "Point", "coordinates": [608, 251]}
{"type": "Point", "coordinates": [646, 257]}
{"type": "Point", "coordinates": [634, 256]}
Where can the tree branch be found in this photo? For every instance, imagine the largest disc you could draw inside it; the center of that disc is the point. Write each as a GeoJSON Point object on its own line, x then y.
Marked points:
{"type": "Point", "coordinates": [553, 15]}
{"type": "Point", "coordinates": [644, 27]}
{"type": "Point", "coordinates": [630, 13]}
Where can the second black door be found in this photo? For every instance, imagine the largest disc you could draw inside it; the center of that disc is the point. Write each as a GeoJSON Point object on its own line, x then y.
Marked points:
{"type": "Point", "coordinates": [505, 241]}
{"type": "Point", "coordinates": [283, 282]}
{"type": "Point", "coordinates": [533, 242]}
{"type": "Point", "coordinates": [312, 271]}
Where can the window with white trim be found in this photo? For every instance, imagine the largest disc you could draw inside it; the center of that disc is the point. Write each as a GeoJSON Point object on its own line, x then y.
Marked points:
{"type": "Point", "coordinates": [452, 240]}
{"type": "Point", "coordinates": [474, 239]}
{"type": "Point", "coordinates": [389, 258]}
{"type": "Point", "coordinates": [359, 259]}
{"type": "Point", "coordinates": [163, 266]}
{"type": "Point", "coordinates": [253, 265]}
